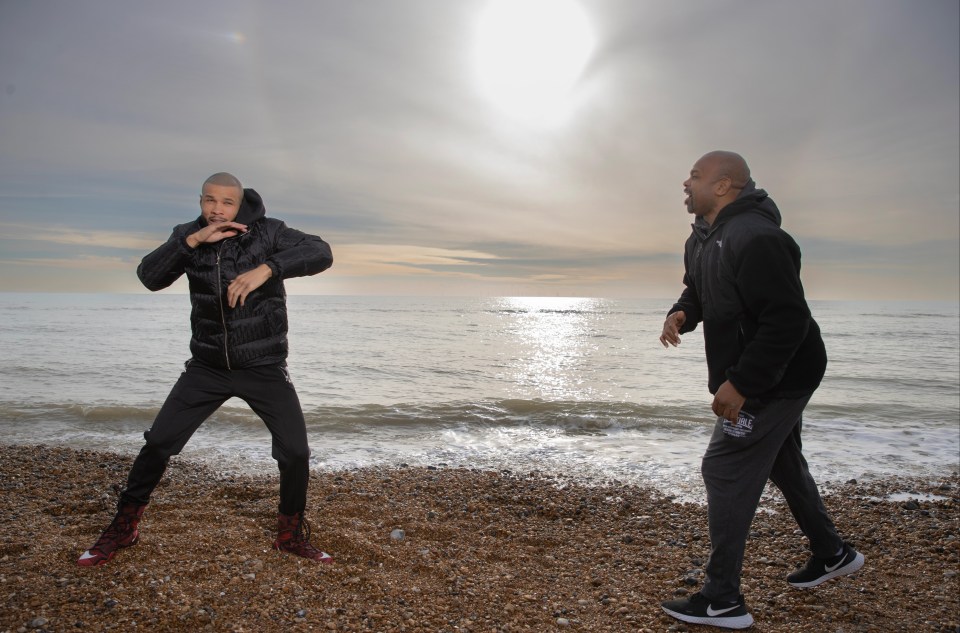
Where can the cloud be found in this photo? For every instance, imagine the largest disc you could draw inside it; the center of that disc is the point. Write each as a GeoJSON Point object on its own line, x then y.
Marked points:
{"type": "Point", "coordinates": [80, 237]}
{"type": "Point", "coordinates": [401, 259]}
{"type": "Point", "coordinates": [83, 262]}
{"type": "Point", "coordinates": [365, 124]}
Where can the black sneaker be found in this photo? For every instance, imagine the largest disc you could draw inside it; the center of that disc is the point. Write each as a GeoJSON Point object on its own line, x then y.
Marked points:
{"type": "Point", "coordinates": [818, 570]}
{"type": "Point", "coordinates": [699, 610]}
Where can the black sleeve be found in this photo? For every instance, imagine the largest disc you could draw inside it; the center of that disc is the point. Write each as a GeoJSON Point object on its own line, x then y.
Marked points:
{"type": "Point", "coordinates": [689, 300]}
{"type": "Point", "coordinates": [164, 265]}
{"type": "Point", "coordinates": [298, 254]}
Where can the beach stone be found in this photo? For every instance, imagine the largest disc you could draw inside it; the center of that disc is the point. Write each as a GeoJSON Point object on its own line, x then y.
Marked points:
{"type": "Point", "coordinates": [37, 623]}
{"type": "Point", "coordinates": [398, 535]}
{"type": "Point", "coordinates": [547, 571]}
{"type": "Point", "coordinates": [563, 622]}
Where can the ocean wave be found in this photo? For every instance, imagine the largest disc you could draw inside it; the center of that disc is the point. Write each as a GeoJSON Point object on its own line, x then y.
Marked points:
{"type": "Point", "coordinates": [93, 413]}
{"type": "Point", "coordinates": [651, 443]}
{"type": "Point", "coordinates": [493, 413]}
{"type": "Point", "coordinates": [566, 416]}
{"type": "Point", "coordinates": [938, 380]}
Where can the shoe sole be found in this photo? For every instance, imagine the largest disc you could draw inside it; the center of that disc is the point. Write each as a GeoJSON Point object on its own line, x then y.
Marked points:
{"type": "Point", "coordinates": [850, 568]}
{"type": "Point", "coordinates": [732, 622]}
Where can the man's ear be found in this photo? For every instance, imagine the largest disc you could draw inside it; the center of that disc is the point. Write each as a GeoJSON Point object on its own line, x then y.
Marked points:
{"type": "Point", "coordinates": [722, 186]}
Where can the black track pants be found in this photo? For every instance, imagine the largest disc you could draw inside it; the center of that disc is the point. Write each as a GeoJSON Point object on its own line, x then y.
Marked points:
{"type": "Point", "coordinates": [736, 466]}
{"type": "Point", "coordinates": [199, 392]}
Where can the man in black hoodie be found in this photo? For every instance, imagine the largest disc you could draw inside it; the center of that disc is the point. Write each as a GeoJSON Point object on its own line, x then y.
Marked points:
{"type": "Point", "coordinates": [235, 259]}
{"type": "Point", "coordinates": [765, 358]}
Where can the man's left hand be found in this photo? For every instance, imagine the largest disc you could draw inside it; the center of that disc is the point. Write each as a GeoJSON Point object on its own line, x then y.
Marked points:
{"type": "Point", "coordinates": [728, 402]}
{"type": "Point", "coordinates": [246, 283]}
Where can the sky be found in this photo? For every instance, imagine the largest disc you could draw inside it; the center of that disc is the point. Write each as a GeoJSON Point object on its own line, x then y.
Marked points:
{"type": "Point", "coordinates": [482, 147]}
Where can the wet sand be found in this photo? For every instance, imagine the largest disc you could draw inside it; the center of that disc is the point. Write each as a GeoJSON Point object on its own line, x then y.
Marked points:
{"type": "Point", "coordinates": [481, 551]}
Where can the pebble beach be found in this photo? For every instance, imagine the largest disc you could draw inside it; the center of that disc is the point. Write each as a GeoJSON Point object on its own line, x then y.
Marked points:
{"type": "Point", "coordinates": [446, 549]}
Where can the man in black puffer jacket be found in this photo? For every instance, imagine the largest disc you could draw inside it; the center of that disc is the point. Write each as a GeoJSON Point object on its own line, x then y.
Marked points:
{"type": "Point", "coordinates": [765, 358]}
{"type": "Point", "coordinates": [235, 259]}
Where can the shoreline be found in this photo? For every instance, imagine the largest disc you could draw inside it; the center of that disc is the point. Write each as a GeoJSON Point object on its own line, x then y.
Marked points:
{"type": "Point", "coordinates": [674, 475]}
{"type": "Point", "coordinates": [490, 551]}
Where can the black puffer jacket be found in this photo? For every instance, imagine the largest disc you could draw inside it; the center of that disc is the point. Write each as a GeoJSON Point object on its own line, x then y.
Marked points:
{"type": "Point", "coordinates": [255, 333]}
{"type": "Point", "coordinates": [743, 282]}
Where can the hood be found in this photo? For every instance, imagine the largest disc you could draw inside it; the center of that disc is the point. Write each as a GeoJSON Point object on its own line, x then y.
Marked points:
{"type": "Point", "coordinates": [751, 200]}
{"type": "Point", "coordinates": [251, 209]}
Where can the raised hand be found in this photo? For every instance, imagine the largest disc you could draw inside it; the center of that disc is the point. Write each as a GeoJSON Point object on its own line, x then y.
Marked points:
{"type": "Point", "coordinates": [214, 232]}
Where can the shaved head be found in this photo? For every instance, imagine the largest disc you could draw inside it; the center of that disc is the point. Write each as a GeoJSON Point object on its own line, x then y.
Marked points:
{"type": "Point", "coordinates": [728, 165]}
{"type": "Point", "coordinates": [223, 179]}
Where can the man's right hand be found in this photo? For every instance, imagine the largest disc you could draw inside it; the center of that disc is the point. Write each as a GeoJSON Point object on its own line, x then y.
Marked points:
{"type": "Point", "coordinates": [214, 233]}
{"type": "Point", "coordinates": [671, 328]}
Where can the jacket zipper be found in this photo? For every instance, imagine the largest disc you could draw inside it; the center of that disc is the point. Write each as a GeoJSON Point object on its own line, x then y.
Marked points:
{"type": "Point", "coordinates": [223, 316]}
{"type": "Point", "coordinates": [698, 256]}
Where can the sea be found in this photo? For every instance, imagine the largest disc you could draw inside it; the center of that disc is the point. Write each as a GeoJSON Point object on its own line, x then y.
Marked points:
{"type": "Point", "coordinates": [574, 388]}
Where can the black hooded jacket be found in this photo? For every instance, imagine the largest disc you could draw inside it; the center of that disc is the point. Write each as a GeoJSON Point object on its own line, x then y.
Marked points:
{"type": "Point", "coordinates": [253, 334]}
{"type": "Point", "coordinates": [743, 282]}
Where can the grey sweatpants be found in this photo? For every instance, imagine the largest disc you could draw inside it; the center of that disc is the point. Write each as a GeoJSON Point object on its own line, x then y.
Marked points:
{"type": "Point", "coordinates": [764, 444]}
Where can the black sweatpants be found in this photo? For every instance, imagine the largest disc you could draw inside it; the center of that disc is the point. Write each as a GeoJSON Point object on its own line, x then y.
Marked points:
{"type": "Point", "coordinates": [199, 392]}
{"type": "Point", "coordinates": [765, 444]}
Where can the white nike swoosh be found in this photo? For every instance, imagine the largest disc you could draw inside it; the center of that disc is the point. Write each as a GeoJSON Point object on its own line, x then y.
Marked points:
{"type": "Point", "coordinates": [87, 555]}
{"type": "Point", "coordinates": [834, 568]}
{"type": "Point", "coordinates": [714, 612]}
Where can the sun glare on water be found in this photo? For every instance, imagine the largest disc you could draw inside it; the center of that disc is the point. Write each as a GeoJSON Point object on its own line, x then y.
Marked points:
{"type": "Point", "coordinates": [529, 55]}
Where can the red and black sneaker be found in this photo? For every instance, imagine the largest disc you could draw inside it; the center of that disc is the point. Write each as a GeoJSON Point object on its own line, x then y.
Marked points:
{"type": "Point", "coordinates": [293, 535]}
{"type": "Point", "coordinates": [122, 532]}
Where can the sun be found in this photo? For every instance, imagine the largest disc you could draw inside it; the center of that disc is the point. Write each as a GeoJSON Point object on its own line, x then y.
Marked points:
{"type": "Point", "coordinates": [530, 54]}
